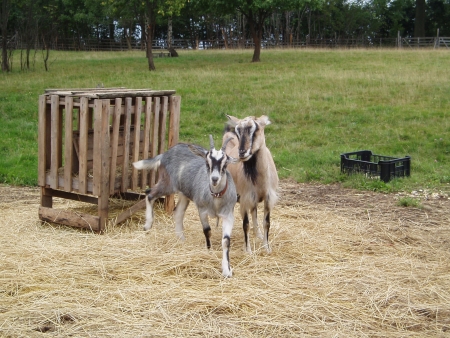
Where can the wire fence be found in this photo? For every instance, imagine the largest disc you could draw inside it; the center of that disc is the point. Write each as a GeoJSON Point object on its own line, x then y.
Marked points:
{"type": "Point", "coordinates": [160, 44]}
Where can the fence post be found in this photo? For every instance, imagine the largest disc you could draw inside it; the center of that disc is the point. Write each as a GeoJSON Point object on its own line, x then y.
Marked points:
{"type": "Point", "coordinates": [436, 44]}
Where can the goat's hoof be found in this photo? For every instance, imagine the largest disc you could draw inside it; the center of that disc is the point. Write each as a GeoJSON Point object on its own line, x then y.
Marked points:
{"type": "Point", "coordinates": [147, 227]}
{"type": "Point", "coordinates": [227, 274]}
{"type": "Point", "coordinates": [247, 250]}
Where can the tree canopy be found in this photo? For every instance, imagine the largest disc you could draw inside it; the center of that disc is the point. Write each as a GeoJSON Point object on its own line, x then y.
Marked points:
{"type": "Point", "coordinates": [138, 22]}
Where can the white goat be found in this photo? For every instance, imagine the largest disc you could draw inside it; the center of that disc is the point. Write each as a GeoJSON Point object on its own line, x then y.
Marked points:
{"type": "Point", "coordinates": [182, 170]}
{"type": "Point", "coordinates": [255, 175]}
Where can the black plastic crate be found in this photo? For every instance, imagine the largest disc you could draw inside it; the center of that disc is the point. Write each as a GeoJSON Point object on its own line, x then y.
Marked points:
{"type": "Point", "coordinates": [384, 167]}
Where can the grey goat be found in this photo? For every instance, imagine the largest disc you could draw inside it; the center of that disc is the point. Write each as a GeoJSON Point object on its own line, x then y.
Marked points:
{"type": "Point", "coordinates": [197, 175]}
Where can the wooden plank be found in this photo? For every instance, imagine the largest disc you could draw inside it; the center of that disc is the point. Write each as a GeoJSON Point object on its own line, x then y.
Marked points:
{"type": "Point", "coordinates": [83, 145]}
{"type": "Point", "coordinates": [70, 218]}
{"type": "Point", "coordinates": [127, 213]}
{"type": "Point", "coordinates": [155, 130]}
{"type": "Point", "coordinates": [68, 144]}
{"type": "Point", "coordinates": [55, 145]}
{"type": "Point", "coordinates": [136, 136]}
{"type": "Point", "coordinates": [71, 90]}
{"type": "Point", "coordinates": [43, 148]}
{"type": "Point", "coordinates": [46, 198]}
{"type": "Point", "coordinates": [163, 125]}
{"type": "Point", "coordinates": [104, 159]}
{"type": "Point", "coordinates": [114, 142]}
{"type": "Point", "coordinates": [174, 120]}
{"type": "Point", "coordinates": [126, 151]}
{"type": "Point", "coordinates": [146, 141]}
{"type": "Point", "coordinates": [70, 196]}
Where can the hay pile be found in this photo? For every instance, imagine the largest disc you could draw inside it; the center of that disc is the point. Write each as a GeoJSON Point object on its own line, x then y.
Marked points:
{"type": "Point", "coordinates": [344, 264]}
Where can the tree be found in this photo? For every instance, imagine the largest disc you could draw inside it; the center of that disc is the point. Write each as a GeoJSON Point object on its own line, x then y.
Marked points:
{"type": "Point", "coordinates": [257, 11]}
{"type": "Point", "coordinates": [153, 9]}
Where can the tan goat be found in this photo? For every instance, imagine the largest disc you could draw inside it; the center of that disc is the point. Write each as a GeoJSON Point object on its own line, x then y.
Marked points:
{"type": "Point", "coordinates": [255, 175]}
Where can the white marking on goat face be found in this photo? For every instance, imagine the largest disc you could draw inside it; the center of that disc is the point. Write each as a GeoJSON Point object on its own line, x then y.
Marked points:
{"type": "Point", "coordinates": [216, 160]}
{"type": "Point", "coordinates": [245, 131]}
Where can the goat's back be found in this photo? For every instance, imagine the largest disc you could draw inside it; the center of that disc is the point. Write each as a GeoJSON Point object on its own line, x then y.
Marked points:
{"type": "Point", "coordinates": [189, 175]}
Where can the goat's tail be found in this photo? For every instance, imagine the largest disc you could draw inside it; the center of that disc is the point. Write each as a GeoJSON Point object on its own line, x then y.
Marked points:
{"type": "Point", "coordinates": [151, 163]}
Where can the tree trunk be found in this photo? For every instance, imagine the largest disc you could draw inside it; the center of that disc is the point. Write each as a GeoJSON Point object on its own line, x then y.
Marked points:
{"type": "Point", "coordinates": [4, 16]}
{"type": "Point", "coordinates": [151, 64]}
{"type": "Point", "coordinates": [419, 24]}
{"type": "Point", "coordinates": [256, 32]}
{"type": "Point", "coordinates": [169, 33]}
{"type": "Point", "coordinates": [150, 33]}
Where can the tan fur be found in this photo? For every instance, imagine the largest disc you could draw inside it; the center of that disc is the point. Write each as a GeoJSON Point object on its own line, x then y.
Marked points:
{"type": "Point", "coordinates": [266, 185]}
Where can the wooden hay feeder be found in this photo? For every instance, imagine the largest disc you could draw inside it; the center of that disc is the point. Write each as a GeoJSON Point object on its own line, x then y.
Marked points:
{"type": "Point", "coordinates": [88, 139]}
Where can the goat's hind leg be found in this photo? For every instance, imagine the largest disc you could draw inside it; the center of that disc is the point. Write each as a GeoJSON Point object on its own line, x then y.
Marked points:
{"type": "Point", "coordinates": [245, 227]}
{"type": "Point", "coordinates": [256, 230]}
{"type": "Point", "coordinates": [178, 215]}
{"type": "Point", "coordinates": [206, 228]}
{"type": "Point", "coordinates": [226, 241]}
{"type": "Point", "coordinates": [266, 226]}
{"type": "Point", "coordinates": [149, 201]}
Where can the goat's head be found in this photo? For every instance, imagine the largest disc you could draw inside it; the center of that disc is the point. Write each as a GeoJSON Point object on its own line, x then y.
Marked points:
{"type": "Point", "coordinates": [216, 160]}
{"type": "Point", "coordinates": [250, 133]}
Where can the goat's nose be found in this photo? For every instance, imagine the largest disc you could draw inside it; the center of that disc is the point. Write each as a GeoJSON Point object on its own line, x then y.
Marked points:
{"type": "Point", "coordinates": [242, 152]}
{"type": "Point", "coordinates": [214, 180]}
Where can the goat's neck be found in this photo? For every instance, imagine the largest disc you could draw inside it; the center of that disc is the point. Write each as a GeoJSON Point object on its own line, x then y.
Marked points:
{"type": "Point", "coordinates": [219, 190]}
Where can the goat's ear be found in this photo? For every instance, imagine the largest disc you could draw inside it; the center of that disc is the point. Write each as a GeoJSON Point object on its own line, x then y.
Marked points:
{"type": "Point", "coordinates": [232, 160]}
{"type": "Point", "coordinates": [263, 120]}
{"type": "Point", "coordinates": [199, 151]}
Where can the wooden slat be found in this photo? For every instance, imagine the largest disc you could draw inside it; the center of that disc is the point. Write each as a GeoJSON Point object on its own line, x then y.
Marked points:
{"type": "Point", "coordinates": [174, 120]}
{"type": "Point", "coordinates": [68, 146]}
{"type": "Point", "coordinates": [126, 151]}
{"type": "Point", "coordinates": [125, 93]}
{"type": "Point", "coordinates": [174, 127]}
{"type": "Point", "coordinates": [83, 146]}
{"type": "Point", "coordinates": [98, 146]}
{"type": "Point", "coordinates": [76, 185]}
{"type": "Point", "coordinates": [70, 218]}
{"type": "Point", "coordinates": [43, 148]}
{"type": "Point", "coordinates": [104, 159]}
{"type": "Point", "coordinates": [146, 149]}
{"type": "Point", "coordinates": [114, 142]}
{"type": "Point", "coordinates": [55, 145]}
{"type": "Point", "coordinates": [155, 130]}
{"type": "Point", "coordinates": [136, 135]}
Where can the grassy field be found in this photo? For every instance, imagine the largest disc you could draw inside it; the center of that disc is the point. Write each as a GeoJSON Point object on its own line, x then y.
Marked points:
{"type": "Point", "coordinates": [321, 103]}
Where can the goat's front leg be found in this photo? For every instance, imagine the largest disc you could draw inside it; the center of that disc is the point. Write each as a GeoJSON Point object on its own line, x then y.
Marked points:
{"type": "Point", "coordinates": [228, 222]}
{"type": "Point", "coordinates": [206, 228]}
{"type": "Point", "coordinates": [178, 215]}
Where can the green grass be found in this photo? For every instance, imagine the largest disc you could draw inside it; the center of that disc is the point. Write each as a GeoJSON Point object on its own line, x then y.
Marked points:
{"type": "Point", "coordinates": [409, 202]}
{"type": "Point", "coordinates": [321, 103]}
